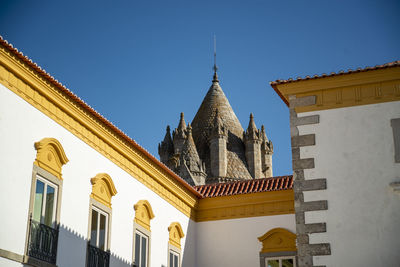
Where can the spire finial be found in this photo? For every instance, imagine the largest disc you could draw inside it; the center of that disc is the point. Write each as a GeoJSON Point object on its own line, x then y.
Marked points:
{"type": "Point", "coordinates": [215, 68]}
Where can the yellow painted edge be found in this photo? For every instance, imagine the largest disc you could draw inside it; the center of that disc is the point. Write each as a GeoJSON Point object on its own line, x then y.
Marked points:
{"type": "Point", "coordinates": [142, 223]}
{"type": "Point", "coordinates": [101, 200]}
{"type": "Point", "coordinates": [175, 244]}
{"type": "Point", "coordinates": [21, 80]}
{"type": "Point", "coordinates": [364, 88]}
{"type": "Point", "coordinates": [35, 90]}
{"type": "Point", "coordinates": [246, 205]}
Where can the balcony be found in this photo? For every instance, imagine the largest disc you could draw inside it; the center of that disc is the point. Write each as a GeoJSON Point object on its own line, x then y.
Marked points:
{"type": "Point", "coordinates": [43, 242]}
{"type": "Point", "coordinates": [97, 257]}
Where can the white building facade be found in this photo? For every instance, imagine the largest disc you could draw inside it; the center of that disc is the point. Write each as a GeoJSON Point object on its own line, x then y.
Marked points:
{"type": "Point", "coordinates": [345, 143]}
{"type": "Point", "coordinates": [79, 192]}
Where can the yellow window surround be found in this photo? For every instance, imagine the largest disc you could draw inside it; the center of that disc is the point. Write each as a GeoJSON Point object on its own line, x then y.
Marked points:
{"type": "Point", "coordinates": [143, 213]}
{"type": "Point", "coordinates": [278, 239]}
{"type": "Point", "coordinates": [103, 189]}
{"type": "Point", "coordinates": [175, 234]}
{"type": "Point", "coordinates": [50, 156]}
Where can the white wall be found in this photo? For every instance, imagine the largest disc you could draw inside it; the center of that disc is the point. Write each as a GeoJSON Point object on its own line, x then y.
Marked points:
{"type": "Point", "coordinates": [21, 125]}
{"type": "Point", "coordinates": [234, 242]}
{"type": "Point", "coordinates": [355, 151]}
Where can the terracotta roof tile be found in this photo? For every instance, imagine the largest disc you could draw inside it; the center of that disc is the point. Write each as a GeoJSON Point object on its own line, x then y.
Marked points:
{"type": "Point", "coordinates": [79, 102]}
{"type": "Point", "coordinates": [246, 187]}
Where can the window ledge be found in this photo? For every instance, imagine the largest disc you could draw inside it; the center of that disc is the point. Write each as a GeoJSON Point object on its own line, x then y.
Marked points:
{"type": "Point", "coordinates": [37, 263]}
{"type": "Point", "coordinates": [395, 186]}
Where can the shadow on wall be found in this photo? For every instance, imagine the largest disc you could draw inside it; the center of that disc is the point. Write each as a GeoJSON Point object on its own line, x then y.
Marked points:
{"type": "Point", "coordinates": [72, 249]}
{"type": "Point", "coordinates": [189, 252]}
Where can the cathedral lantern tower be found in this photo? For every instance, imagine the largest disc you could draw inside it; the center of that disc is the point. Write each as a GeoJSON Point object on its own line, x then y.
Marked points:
{"type": "Point", "coordinates": [215, 148]}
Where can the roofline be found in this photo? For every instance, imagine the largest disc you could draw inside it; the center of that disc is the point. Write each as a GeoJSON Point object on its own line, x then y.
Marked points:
{"type": "Point", "coordinates": [274, 84]}
{"type": "Point", "coordinates": [94, 113]}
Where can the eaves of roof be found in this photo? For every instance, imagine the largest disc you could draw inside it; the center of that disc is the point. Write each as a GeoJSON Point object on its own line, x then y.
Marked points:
{"type": "Point", "coordinates": [246, 187]}
{"type": "Point", "coordinates": [332, 74]}
{"type": "Point", "coordinates": [79, 102]}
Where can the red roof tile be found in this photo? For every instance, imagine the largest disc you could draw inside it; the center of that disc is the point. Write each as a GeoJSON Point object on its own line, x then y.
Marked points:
{"type": "Point", "coordinates": [79, 102]}
{"type": "Point", "coordinates": [246, 187]}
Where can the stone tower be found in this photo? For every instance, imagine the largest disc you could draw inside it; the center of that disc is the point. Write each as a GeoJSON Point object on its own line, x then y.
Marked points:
{"type": "Point", "coordinates": [215, 148]}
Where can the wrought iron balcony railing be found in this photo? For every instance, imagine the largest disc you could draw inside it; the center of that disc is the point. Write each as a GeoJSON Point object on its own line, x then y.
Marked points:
{"type": "Point", "coordinates": [97, 257]}
{"type": "Point", "coordinates": [43, 242]}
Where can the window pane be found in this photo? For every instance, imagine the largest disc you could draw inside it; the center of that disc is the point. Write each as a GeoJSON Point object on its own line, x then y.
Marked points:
{"type": "Point", "coordinates": [137, 249]}
{"type": "Point", "coordinates": [273, 263]}
{"type": "Point", "coordinates": [171, 260]}
{"type": "Point", "coordinates": [93, 230]}
{"type": "Point", "coordinates": [287, 263]}
{"type": "Point", "coordinates": [175, 261]}
{"type": "Point", "coordinates": [50, 198]}
{"type": "Point", "coordinates": [144, 252]}
{"type": "Point", "coordinates": [102, 234]}
{"type": "Point", "coordinates": [38, 202]}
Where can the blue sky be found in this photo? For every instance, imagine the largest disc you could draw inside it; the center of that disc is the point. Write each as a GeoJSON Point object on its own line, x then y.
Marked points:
{"type": "Point", "coordinates": [141, 63]}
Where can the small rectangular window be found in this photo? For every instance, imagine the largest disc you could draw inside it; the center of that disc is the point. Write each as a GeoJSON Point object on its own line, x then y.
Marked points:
{"type": "Point", "coordinates": [98, 230]}
{"type": "Point", "coordinates": [141, 249]}
{"type": "Point", "coordinates": [173, 259]}
{"type": "Point", "coordinates": [44, 207]}
{"type": "Point", "coordinates": [280, 262]}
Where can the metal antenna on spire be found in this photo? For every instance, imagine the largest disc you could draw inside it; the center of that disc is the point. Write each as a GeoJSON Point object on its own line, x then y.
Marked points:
{"type": "Point", "coordinates": [215, 78]}
{"type": "Point", "coordinates": [215, 54]}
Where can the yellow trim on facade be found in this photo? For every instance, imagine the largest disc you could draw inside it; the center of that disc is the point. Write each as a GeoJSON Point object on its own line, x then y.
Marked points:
{"type": "Point", "coordinates": [363, 88]}
{"type": "Point", "coordinates": [50, 156]}
{"type": "Point", "coordinates": [175, 234]}
{"type": "Point", "coordinates": [143, 213]}
{"type": "Point", "coordinates": [34, 89]}
{"type": "Point", "coordinates": [277, 240]}
{"type": "Point", "coordinates": [245, 205]}
{"type": "Point", "coordinates": [103, 188]}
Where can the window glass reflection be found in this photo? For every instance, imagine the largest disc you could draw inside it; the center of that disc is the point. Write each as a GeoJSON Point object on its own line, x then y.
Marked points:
{"type": "Point", "coordinates": [38, 202]}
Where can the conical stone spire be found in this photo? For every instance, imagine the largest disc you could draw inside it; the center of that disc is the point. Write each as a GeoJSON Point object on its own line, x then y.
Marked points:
{"type": "Point", "coordinates": [191, 162]}
{"type": "Point", "coordinates": [252, 132]}
{"type": "Point", "coordinates": [179, 135]}
{"type": "Point", "coordinates": [216, 148]}
{"type": "Point", "coordinates": [203, 125]}
{"type": "Point", "coordinates": [166, 147]}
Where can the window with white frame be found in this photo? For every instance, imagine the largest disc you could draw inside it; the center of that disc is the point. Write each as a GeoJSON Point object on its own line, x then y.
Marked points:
{"type": "Point", "coordinates": [99, 228]}
{"type": "Point", "coordinates": [45, 202]}
{"type": "Point", "coordinates": [281, 262]}
{"type": "Point", "coordinates": [174, 258]}
{"type": "Point", "coordinates": [141, 249]}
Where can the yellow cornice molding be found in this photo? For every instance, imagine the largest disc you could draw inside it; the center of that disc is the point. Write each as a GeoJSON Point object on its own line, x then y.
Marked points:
{"type": "Point", "coordinates": [363, 88]}
{"type": "Point", "coordinates": [34, 89]}
{"type": "Point", "coordinates": [245, 205]}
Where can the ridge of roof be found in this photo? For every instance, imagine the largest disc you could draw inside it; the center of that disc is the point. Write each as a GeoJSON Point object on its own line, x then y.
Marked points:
{"type": "Point", "coordinates": [277, 183]}
{"type": "Point", "coordinates": [77, 100]}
